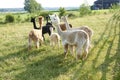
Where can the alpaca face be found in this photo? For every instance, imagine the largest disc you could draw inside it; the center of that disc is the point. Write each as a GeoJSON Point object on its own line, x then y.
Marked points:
{"type": "Point", "coordinates": [63, 18]}
{"type": "Point", "coordinates": [54, 19]}
{"type": "Point", "coordinates": [32, 19]}
{"type": "Point", "coordinates": [41, 21]}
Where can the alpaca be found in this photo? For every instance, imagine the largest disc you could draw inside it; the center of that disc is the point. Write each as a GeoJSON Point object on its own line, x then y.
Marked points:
{"type": "Point", "coordinates": [55, 39]}
{"type": "Point", "coordinates": [62, 26]}
{"type": "Point", "coordinates": [34, 24]}
{"type": "Point", "coordinates": [48, 28]}
{"type": "Point", "coordinates": [45, 29]}
{"type": "Point", "coordinates": [78, 38]}
{"type": "Point", "coordinates": [36, 36]}
{"type": "Point", "coordinates": [85, 28]}
{"type": "Point", "coordinates": [47, 19]}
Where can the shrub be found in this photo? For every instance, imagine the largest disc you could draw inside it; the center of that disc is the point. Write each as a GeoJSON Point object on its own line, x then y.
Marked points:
{"type": "Point", "coordinates": [18, 18]}
{"type": "Point", "coordinates": [71, 15]}
{"type": "Point", "coordinates": [84, 10]}
{"type": "Point", "coordinates": [9, 18]}
{"type": "Point", "coordinates": [62, 11]}
{"type": "Point", "coordinates": [45, 13]}
{"type": "Point", "coordinates": [114, 7]}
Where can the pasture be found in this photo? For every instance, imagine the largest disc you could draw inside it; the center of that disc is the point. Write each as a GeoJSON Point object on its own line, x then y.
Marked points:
{"type": "Point", "coordinates": [47, 63]}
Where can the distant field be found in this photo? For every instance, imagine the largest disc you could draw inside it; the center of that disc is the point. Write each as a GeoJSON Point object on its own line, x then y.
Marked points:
{"type": "Point", "coordinates": [47, 63]}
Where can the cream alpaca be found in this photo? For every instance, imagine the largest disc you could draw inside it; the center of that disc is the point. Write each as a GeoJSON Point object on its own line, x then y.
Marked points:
{"type": "Point", "coordinates": [55, 39]}
{"type": "Point", "coordinates": [78, 38]}
{"type": "Point", "coordinates": [36, 35]}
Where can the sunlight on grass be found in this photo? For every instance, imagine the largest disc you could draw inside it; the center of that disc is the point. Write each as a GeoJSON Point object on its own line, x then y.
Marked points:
{"type": "Point", "coordinates": [47, 63]}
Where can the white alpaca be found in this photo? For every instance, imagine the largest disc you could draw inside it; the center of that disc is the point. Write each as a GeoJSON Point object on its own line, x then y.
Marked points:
{"type": "Point", "coordinates": [36, 35]}
{"type": "Point", "coordinates": [78, 38]}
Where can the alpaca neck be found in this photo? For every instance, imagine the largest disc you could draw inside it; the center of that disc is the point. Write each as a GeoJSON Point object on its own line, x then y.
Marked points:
{"type": "Point", "coordinates": [60, 32]}
{"type": "Point", "coordinates": [34, 24]}
{"type": "Point", "coordinates": [66, 24]}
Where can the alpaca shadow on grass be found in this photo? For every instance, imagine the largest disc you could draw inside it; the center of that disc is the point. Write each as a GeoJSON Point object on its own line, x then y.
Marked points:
{"type": "Point", "coordinates": [22, 54]}
{"type": "Point", "coordinates": [103, 68]}
{"type": "Point", "coordinates": [47, 68]}
{"type": "Point", "coordinates": [108, 59]}
{"type": "Point", "coordinates": [78, 74]}
{"type": "Point", "coordinates": [117, 61]}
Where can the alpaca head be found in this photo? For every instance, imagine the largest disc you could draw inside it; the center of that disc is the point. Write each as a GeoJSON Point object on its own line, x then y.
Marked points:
{"type": "Point", "coordinates": [54, 19]}
{"type": "Point", "coordinates": [64, 18]}
{"type": "Point", "coordinates": [32, 19]}
{"type": "Point", "coordinates": [41, 21]}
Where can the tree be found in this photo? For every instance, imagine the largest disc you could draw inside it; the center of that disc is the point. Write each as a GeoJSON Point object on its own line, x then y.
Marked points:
{"type": "Point", "coordinates": [62, 11]}
{"type": "Point", "coordinates": [9, 18]}
{"type": "Point", "coordinates": [32, 6]}
{"type": "Point", "coordinates": [84, 10]}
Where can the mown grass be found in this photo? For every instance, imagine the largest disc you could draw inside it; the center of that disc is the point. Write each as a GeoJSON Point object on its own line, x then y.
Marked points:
{"type": "Point", "coordinates": [47, 63]}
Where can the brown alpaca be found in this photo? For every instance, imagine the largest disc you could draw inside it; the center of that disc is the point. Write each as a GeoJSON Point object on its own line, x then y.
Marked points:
{"type": "Point", "coordinates": [41, 19]}
{"type": "Point", "coordinates": [63, 26]}
{"type": "Point", "coordinates": [35, 35]}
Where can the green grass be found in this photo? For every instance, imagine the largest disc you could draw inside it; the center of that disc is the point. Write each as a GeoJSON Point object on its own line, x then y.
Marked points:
{"type": "Point", "coordinates": [47, 63]}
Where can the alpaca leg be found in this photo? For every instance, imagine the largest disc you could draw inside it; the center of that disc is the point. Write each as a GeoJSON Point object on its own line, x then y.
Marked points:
{"type": "Point", "coordinates": [37, 44]}
{"type": "Point", "coordinates": [86, 47]}
{"type": "Point", "coordinates": [71, 50]}
{"type": "Point", "coordinates": [43, 37]}
{"type": "Point", "coordinates": [85, 54]}
{"type": "Point", "coordinates": [65, 49]}
{"type": "Point", "coordinates": [50, 43]}
{"type": "Point", "coordinates": [79, 53]}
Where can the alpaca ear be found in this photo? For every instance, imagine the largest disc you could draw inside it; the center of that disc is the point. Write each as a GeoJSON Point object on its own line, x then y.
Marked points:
{"type": "Point", "coordinates": [66, 16]}
{"type": "Point", "coordinates": [49, 15]}
{"type": "Point", "coordinates": [55, 15]}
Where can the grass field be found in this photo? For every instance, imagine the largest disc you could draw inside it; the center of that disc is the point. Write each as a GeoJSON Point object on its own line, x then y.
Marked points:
{"type": "Point", "coordinates": [47, 63]}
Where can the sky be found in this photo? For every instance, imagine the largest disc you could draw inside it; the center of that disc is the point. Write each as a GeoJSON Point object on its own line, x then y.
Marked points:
{"type": "Point", "coordinates": [45, 3]}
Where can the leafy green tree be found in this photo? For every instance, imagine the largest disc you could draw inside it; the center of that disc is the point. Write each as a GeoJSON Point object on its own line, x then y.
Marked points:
{"type": "Point", "coordinates": [84, 10]}
{"type": "Point", "coordinates": [62, 11]}
{"type": "Point", "coordinates": [32, 6]}
{"type": "Point", "coordinates": [9, 18]}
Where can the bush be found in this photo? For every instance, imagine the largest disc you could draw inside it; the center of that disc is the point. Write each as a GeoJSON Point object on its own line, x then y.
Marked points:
{"type": "Point", "coordinates": [9, 18]}
{"type": "Point", "coordinates": [45, 13]}
{"type": "Point", "coordinates": [71, 15]}
{"type": "Point", "coordinates": [18, 18]}
{"type": "Point", "coordinates": [114, 7]}
{"type": "Point", "coordinates": [62, 11]}
{"type": "Point", "coordinates": [84, 10]}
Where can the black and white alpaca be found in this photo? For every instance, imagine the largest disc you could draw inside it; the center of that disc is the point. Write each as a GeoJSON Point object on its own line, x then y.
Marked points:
{"type": "Point", "coordinates": [45, 29]}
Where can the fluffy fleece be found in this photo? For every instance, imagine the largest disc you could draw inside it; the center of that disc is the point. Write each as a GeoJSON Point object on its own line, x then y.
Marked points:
{"type": "Point", "coordinates": [78, 38]}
